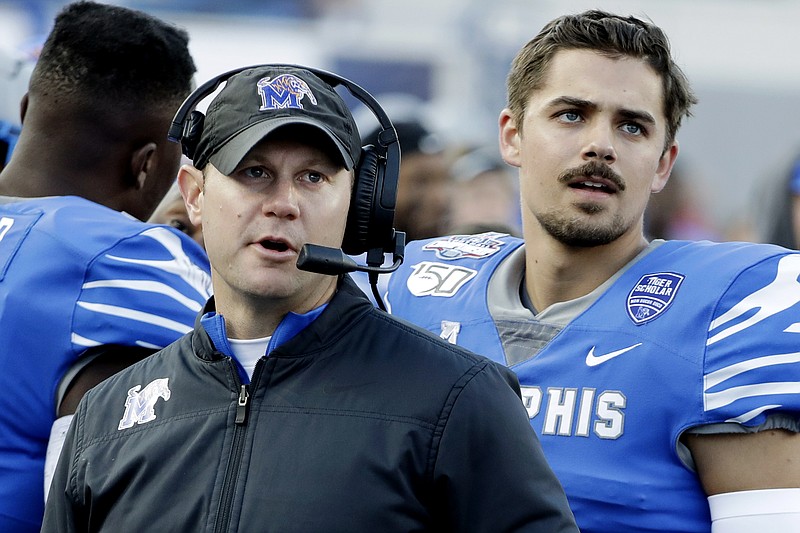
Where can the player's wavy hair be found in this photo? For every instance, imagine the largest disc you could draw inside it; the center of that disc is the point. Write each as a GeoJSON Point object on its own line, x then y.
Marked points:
{"type": "Point", "coordinates": [93, 58]}
{"type": "Point", "coordinates": [613, 36]}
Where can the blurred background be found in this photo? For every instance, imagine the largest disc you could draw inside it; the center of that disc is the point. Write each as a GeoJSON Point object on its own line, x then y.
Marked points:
{"type": "Point", "coordinates": [446, 60]}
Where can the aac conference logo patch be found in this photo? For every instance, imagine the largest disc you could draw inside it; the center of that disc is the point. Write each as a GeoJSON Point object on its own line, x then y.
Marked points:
{"type": "Point", "coordinates": [478, 246]}
{"type": "Point", "coordinates": [652, 295]}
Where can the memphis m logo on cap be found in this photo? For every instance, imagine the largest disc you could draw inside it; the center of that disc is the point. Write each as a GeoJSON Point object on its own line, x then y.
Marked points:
{"type": "Point", "coordinates": [283, 92]}
{"type": "Point", "coordinates": [260, 100]}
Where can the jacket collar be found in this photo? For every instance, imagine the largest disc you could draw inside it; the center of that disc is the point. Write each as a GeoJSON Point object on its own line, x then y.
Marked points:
{"type": "Point", "coordinates": [346, 306]}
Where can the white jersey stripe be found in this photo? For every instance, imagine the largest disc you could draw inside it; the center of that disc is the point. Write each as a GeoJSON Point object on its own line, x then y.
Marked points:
{"type": "Point", "coordinates": [83, 341]}
{"type": "Point", "coordinates": [748, 416]}
{"type": "Point", "coordinates": [145, 286]}
{"type": "Point", "coordinates": [715, 400]}
{"type": "Point", "coordinates": [781, 294]}
{"type": "Point", "coordinates": [180, 265]}
{"type": "Point", "coordinates": [137, 315]}
{"type": "Point", "coordinates": [713, 379]}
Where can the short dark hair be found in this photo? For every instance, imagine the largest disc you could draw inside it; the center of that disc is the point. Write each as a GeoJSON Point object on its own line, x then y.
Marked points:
{"type": "Point", "coordinates": [115, 57]}
{"type": "Point", "coordinates": [611, 35]}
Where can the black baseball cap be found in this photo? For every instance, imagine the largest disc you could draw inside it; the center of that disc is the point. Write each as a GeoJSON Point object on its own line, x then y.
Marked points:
{"type": "Point", "coordinates": [413, 137]}
{"type": "Point", "coordinates": [258, 101]}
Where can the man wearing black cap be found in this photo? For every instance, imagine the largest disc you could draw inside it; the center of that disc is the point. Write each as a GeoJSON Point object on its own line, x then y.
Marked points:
{"type": "Point", "coordinates": [295, 404]}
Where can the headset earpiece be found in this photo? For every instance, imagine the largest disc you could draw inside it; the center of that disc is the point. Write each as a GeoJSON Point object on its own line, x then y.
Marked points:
{"type": "Point", "coordinates": [357, 235]}
{"type": "Point", "coordinates": [192, 130]}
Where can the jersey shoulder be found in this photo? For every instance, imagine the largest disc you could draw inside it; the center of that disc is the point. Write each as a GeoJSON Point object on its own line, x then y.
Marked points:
{"type": "Point", "coordinates": [440, 271]}
{"type": "Point", "coordinates": [121, 281]}
{"type": "Point", "coordinates": [749, 297]}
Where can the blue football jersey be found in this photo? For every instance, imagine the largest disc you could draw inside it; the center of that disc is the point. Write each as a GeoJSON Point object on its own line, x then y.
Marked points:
{"type": "Point", "coordinates": [688, 334]}
{"type": "Point", "coordinates": [75, 275]}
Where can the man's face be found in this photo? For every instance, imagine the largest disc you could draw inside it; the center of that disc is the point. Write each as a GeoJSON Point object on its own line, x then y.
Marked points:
{"type": "Point", "coordinates": [591, 149]}
{"type": "Point", "coordinates": [283, 194]}
{"type": "Point", "coordinates": [172, 212]}
{"type": "Point", "coordinates": [423, 195]}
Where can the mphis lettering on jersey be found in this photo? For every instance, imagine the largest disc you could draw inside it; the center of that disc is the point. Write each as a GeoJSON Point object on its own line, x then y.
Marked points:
{"type": "Point", "coordinates": [573, 412]}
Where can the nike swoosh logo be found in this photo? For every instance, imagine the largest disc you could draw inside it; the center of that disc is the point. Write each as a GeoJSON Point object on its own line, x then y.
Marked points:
{"type": "Point", "coordinates": [594, 360]}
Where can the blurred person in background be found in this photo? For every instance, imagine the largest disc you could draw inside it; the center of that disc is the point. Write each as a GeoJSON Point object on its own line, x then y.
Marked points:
{"type": "Point", "coordinates": [9, 133]}
{"type": "Point", "coordinates": [172, 212]}
{"type": "Point", "coordinates": [485, 195]}
{"type": "Point", "coordinates": [776, 207]}
{"type": "Point", "coordinates": [86, 287]}
{"type": "Point", "coordinates": [15, 71]}
{"type": "Point", "coordinates": [676, 212]}
{"type": "Point", "coordinates": [425, 185]}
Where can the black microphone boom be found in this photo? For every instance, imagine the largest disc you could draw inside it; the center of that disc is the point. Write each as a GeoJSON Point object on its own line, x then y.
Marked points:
{"type": "Point", "coordinates": [325, 260]}
{"type": "Point", "coordinates": [334, 262]}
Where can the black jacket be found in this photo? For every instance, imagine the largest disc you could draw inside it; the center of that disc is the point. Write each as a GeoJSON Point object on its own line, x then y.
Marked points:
{"type": "Point", "coordinates": [361, 422]}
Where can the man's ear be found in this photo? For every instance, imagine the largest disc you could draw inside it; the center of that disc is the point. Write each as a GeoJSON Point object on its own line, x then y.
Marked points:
{"type": "Point", "coordinates": [664, 168]}
{"type": "Point", "coordinates": [509, 138]}
{"type": "Point", "coordinates": [190, 182]}
{"type": "Point", "coordinates": [141, 161]}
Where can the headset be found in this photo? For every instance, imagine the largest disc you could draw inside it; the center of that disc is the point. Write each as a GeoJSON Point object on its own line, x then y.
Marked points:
{"type": "Point", "coordinates": [370, 219]}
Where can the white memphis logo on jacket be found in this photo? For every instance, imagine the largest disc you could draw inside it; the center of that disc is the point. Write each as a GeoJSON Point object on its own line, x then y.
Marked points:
{"type": "Point", "coordinates": [140, 406]}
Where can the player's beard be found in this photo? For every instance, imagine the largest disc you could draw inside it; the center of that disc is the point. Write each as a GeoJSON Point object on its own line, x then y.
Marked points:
{"type": "Point", "coordinates": [585, 231]}
{"type": "Point", "coordinates": [579, 232]}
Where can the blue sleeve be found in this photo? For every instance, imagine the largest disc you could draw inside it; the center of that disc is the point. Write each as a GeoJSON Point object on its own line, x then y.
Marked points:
{"type": "Point", "coordinates": [752, 365]}
{"type": "Point", "coordinates": [145, 291]}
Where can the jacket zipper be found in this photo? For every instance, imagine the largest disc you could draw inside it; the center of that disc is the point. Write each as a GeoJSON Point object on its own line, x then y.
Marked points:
{"type": "Point", "coordinates": [241, 406]}
{"type": "Point", "coordinates": [237, 449]}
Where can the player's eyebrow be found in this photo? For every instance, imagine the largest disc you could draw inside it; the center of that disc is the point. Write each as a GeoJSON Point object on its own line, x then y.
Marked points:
{"type": "Point", "coordinates": [638, 116]}
{"type": "Point", "coordinates": [580, 103]}
{"type": "Point", "coordinates": [571, 101]}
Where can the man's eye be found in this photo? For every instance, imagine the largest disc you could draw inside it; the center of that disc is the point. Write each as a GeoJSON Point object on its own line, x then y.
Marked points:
{"type": "Point", "coordinates": [315, 177]}
{"type": "Point", "coordinates": [570, 116]}
{"type": "Point", "coordinates": [254, 172]}
{"type": "Point", "coordinates": [633, 128]}
{"type": "Point", "coordinates": [179, 225]}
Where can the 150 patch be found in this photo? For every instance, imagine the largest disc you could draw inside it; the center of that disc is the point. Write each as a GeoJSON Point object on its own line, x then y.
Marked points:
{"type": "Point", "coordinates": [438, 279]}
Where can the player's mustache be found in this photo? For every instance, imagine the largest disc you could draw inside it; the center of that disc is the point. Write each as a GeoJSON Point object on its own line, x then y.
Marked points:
{"type": "Point", "coordinates": [593, 168]}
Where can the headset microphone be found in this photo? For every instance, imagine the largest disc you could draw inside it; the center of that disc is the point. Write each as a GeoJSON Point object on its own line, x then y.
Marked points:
{"type": "Point", "coordinates": [325, 260]}
{"type": "Point", "coordinates": [334, 262]}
